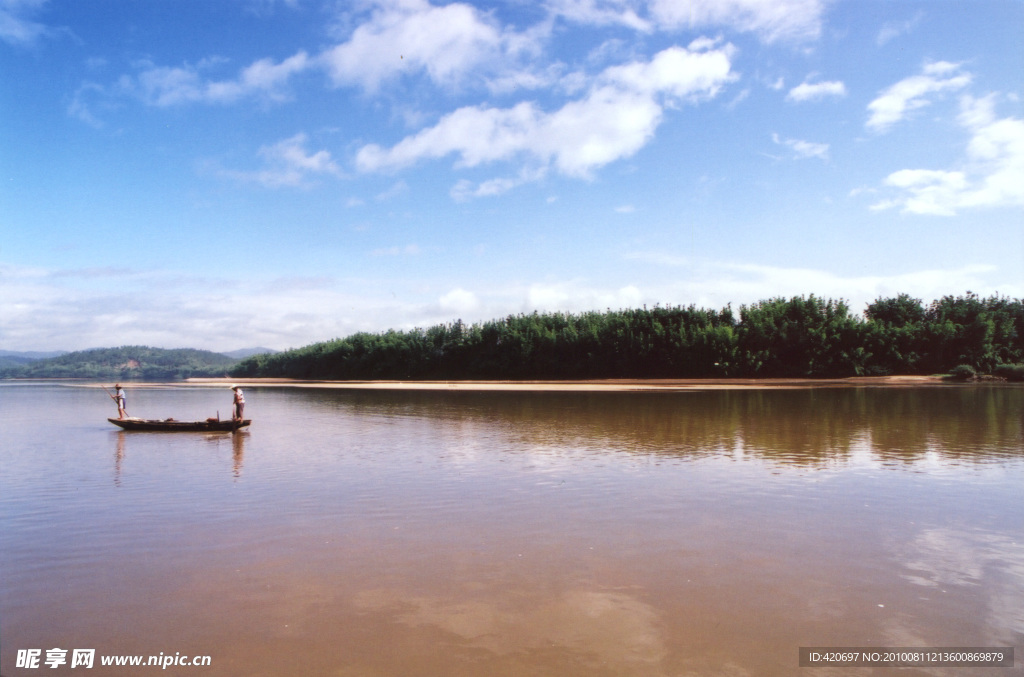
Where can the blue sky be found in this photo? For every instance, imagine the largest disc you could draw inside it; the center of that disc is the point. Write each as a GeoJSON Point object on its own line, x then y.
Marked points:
{"type": "Point", "coordinates": [278, 172]}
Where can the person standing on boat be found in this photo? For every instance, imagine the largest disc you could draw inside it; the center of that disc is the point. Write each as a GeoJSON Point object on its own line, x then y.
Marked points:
{"type": "Point", "coordinates": [239, 403]}
{"type": "Point", "coordinates": [120, 399]}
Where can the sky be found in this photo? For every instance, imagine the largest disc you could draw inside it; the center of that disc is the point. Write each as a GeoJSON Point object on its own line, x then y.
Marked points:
{"type": "Point", "coordinates": [235, 173]}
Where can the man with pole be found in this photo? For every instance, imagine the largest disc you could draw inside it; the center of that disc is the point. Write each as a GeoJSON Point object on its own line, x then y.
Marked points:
{"type": "Point", "coordinates": [119, 398]}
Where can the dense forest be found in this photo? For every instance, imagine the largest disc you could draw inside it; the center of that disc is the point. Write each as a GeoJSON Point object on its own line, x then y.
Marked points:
{"type": "Point", "coordinates": [796, 337]}
{"type": "Point", "coordinates": [126, 363]}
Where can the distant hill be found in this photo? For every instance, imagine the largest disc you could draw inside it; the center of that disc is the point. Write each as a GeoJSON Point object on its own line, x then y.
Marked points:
{"type": "Point", "coordinates": [29, 355]}
{"type": "Point", "coordinates": [243, 353]}
{"type": "Point", "coordinates": [125, 363]}
{"type": "Point", "coordinates": [12, 359]}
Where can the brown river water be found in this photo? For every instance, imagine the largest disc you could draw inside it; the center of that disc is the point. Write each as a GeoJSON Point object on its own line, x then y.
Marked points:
{"type": "Point", "coordinates": [371, 533]}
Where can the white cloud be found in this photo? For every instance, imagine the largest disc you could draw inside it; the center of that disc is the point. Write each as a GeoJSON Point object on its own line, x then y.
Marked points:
{"type": "Point", "coordinates": [410, 36]}
{"type": "Point", "coordinates": [476, 134]}
{"type": "Point", "coordinates": [894, 29]}
{"type": "Point", "coordinates": [977, 113]}
{"type": "Point", "coordinates": [578, 296]}
{"type": "Point", "coordinates": [263, 77]}
{"type": "Point", "coordinates": [451, 44]}
{"type": "Point", "coordinates": [601, 13]}
{"type": "Point", "coordinates": [616, 117]}
{"type": "Point", "coordinates": [897, 101]}
{"type": "Point", "coordinates": [291, 153]}
{"type": "Point", "coordinates": [608, 125]}
{"type": "Point", "coordinates": [465, 189]}
{"type": "Point", "coordinates": [393, 191]}
{"type": "Point", "coordinates": [165, 86]}
{"type": "Point", "coordinates": [288, 164]}
{"type": "Point", "coordinates": [43, 309]}
{"type": "Point", "coordinates": [715, 283]}
{"type": "Point", "coordinates": [807, 91]}
{"type": "Point", "coordinates": [16, 28]}
{"type": "Point", "coordinates": [695, 73]}
{"type": "Point", "coordinates": [169, 86]}
{"type": "Point", "coordinates": [459, 300]}
{"type": "Point", "coordinates": [521, 80]}
{"type": "Point", "coordinates": [992, 174]}
{"type": "Point", "coordinates": [74, 310]}
{"type": "Point", "coordinates": [80, 106]}
{"type": "Point", "coordinates": [925, 191]}
{"type": "Point", "coordinates": [772, 20]}
{"type": "Point", "coordinates": [803, 149]}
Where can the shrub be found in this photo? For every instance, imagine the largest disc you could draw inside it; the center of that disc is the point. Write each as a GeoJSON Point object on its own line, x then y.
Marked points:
{"type": "Point", "coordinates": [1011, 372]}
{"type": "Point", "coordinates": [963, 372]}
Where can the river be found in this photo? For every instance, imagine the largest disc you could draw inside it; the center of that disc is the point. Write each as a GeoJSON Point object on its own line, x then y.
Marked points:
{"type": "Point", "coordinates": [367, 533]}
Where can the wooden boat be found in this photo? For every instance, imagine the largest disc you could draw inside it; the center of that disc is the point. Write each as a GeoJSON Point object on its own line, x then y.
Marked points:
{"type": "Point", "coordinates": [210, 425]}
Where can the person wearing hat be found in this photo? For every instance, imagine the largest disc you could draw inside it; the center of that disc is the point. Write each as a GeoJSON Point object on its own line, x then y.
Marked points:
{"type": "Point", "coordinates": [119, 398]}
{"type": "Point", "coordinates": [239, 403]}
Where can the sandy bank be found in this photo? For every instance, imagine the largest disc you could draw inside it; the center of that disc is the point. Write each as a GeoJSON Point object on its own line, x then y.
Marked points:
{"type": "Point", "coordinates": [611, 385]}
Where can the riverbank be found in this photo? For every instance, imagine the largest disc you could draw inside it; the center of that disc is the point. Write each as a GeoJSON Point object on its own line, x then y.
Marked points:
{"type": "Point", "coordinates": [611, 385]}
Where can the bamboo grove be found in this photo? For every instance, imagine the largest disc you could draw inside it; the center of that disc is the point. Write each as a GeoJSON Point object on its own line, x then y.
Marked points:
{"type": "Point", "coordinates": [797, 337]}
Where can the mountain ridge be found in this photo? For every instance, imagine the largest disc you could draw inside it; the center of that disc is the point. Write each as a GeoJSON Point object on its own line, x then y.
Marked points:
{"type": "Point", "coordinates": [122, 363]}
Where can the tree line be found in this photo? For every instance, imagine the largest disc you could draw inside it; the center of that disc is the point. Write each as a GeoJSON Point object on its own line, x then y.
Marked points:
{"type": "Point", "coordinates": [795, 337]}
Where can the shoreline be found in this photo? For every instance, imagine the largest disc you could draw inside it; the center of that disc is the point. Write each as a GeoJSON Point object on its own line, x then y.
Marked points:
{"type": "Point", "coordinates": [598, 385]}
{"type": "Point", "coordinates": [583, 385]}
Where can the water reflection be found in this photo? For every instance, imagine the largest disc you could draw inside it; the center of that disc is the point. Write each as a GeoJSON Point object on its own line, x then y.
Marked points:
{"type": "Point", "coordinates": [692, 533]}
{"type": "Point", "coordinates": [812, 428]}
{"type": "Point", "coordinates": [119, 456]}
{"type": "Point", "coordinates": [610, 629]}
{"type": "Point", "coordinates": [153, 442]}
{"type": "Point", "coordinates": [943, 559]}
{"type": "Point", "coordinates": [238, 452]}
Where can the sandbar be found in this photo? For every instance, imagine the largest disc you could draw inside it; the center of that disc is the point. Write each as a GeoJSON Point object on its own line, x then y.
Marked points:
{"type": "Point", "coordinates": [597, 385]}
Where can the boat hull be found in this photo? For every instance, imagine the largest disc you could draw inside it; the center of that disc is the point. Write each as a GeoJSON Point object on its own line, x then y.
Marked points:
{"type": "Point", "coordinates": [171, 426]}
